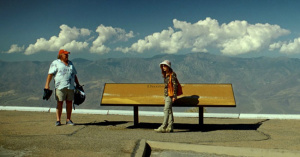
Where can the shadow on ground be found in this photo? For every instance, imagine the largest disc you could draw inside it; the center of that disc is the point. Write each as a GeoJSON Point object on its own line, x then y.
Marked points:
{"type": "Point", "coordinates": [200, 128]}
{"type": "Point", "coordinates": [105, 123]}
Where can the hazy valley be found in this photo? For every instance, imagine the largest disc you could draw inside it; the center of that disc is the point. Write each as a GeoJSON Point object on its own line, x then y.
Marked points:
{"type": "Point", "coordinates": [261, 85]}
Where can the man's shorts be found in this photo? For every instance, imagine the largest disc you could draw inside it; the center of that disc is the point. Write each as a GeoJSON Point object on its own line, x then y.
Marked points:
{"type": "Point", "coordinates": [64, 94]}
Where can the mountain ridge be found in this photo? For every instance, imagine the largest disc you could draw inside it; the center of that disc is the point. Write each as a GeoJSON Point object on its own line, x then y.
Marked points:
{"type": "Point", "coordinates": [261, 85]}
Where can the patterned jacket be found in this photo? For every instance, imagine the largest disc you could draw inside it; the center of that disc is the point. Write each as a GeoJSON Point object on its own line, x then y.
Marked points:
{"type": "Point", "coordinates": [174, 82]}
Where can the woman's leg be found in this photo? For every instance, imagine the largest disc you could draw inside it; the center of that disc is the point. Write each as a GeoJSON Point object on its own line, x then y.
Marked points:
{"type": "Point", "coordinates": [168, 117]}
{"type": "Point", "coordinates": [171, 119]}
{"type": "Point", "coordinates": [168, 113]}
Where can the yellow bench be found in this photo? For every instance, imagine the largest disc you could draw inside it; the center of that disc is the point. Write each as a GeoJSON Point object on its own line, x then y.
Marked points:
{"type": "Point", "coordinates": [194, 95]}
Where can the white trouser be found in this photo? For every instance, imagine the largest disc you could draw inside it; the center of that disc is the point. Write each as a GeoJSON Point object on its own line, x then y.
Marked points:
{"type": "Point", "coordinates": [168, 113]}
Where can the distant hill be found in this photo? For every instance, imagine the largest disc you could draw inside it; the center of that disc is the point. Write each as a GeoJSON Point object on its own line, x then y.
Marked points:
{"type": "Point", "coordinates": [261, 85]}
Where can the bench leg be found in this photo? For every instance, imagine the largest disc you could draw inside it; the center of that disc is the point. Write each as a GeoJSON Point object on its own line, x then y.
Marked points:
{"type": "Point", "coordinates": [136, 115]}
{"type": "Point", "coordinates": [201, 115]}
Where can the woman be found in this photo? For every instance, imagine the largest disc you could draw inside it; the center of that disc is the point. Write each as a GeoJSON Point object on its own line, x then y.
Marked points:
{"type": "Point", "coordinates": [167, 72]}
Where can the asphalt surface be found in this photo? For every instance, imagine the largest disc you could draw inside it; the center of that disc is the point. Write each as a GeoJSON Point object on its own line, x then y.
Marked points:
{"type": "Point", "coordinates": [35, 134]}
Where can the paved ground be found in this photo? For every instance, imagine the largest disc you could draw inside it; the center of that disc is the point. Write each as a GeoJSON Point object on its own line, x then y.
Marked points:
{"type": "Point", "coordinates": [35, 134]}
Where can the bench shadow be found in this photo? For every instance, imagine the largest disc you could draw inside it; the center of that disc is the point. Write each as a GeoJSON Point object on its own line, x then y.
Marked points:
{"type": "Point", "coordinates": [105, 123]}
{"type": "Point", "coordinates": [179, 127]}
{"type": "Point", "coordinates": [192, 100]}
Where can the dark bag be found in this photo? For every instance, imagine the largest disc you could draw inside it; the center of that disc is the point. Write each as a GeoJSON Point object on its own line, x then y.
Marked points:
{"type": "Point", "coordinates": [79, 96]}
{"type": "Point", "coordinates": [47, 94]}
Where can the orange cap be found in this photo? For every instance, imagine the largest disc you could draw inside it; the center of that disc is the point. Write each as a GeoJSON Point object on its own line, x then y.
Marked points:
{"type": "Point", "coordinates": [62, 51]}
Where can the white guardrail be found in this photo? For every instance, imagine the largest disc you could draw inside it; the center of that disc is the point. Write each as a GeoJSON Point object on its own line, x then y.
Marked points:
{"type": "Point", "coordinates": [152, 113]}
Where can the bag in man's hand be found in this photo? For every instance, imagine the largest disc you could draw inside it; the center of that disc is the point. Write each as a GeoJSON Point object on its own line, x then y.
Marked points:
{"type": "Point", "coordinates": [79, 95]}
{"type": "Point", "coordinates": [47, 94]}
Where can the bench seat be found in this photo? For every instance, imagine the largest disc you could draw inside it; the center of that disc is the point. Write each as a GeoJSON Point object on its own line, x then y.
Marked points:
{"type": "Point", "coordinates": [194, 95]}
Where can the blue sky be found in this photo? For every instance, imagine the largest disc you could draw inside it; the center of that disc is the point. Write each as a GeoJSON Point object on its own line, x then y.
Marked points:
{"type": "Point", "coordinates": [95, 29]}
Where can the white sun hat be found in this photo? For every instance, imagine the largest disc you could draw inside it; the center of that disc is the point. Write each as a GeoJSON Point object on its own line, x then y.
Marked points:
{"type": "Point", "coordinates": [165, 62]}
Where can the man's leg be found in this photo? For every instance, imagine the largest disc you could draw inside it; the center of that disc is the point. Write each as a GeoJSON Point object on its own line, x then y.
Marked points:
{"type": "Point", "coordinates": [69, 109]}
{"type": "Point", "coordinates": [59, 110]}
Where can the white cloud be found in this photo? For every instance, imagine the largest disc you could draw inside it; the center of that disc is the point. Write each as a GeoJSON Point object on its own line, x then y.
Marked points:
{"type": "Point", "coordinates": [251, 37]}
{"type": "Point", "coordinates": [75, 46]}
{"type": "Point", "coordinates": [291, 47]}
{"type": "Point", "coordinates": [108, 34]}
{"type": "Point", "coordinates": [66, 39]}
{"type": "Point", "coordinates": [233, 38]}
{"type": "Point", "coordinates": [199, 35]}
{"type": "Point", "coordinates": [236, 37]}
{"type": "Point", "coordinates": [166, 40]}
{"type": "Point", "coordinates": [85, 32]}
{"type": "Point", "coordinates": [276, 45]}
{"type": "Point", "coordinates": [15, 48]}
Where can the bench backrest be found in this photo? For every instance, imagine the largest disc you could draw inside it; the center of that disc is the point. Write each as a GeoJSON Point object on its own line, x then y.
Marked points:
{"type": "Point", "coordinates": [207, 95]}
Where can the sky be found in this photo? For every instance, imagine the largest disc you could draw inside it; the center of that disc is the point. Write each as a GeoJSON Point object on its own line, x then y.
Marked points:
{"type": "Point", "coordinates": [95, 29]}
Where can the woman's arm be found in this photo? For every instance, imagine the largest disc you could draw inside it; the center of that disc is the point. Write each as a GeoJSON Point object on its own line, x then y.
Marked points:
{"type": "Point", "coordinates": [175, 86]}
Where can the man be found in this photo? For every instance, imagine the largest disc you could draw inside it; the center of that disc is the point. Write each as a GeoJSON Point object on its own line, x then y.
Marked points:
{"type": "Point", "coordinates": [64, 74]}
